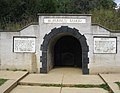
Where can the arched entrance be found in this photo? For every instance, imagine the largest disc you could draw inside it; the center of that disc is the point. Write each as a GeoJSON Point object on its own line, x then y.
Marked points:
{"type": "Point", "coordinates": [64, 46]}
{"type": "Point", "coordinates": [67, 52]}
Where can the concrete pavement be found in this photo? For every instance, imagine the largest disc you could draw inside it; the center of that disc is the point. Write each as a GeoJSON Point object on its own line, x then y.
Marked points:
{"type": "Point", "coordinates": [64, 76]}
{"type": "Point", "coordinates": [82, 79]}
{"type": "Point", "coordinates": [110, 79]}
{"type": "Point", "coordinates": [35, 89]}
{"type": "Point", "coordinates": [14, 75]}
{"type": "Point", "coordinates": [65, 79]}
{"type": "Point", "coordinates": [83, 90]}
{"type": "Point", "coordinates": [42, 79]}
{"type": "Point", "coordinates": [13, 78]}
{"type": "Point", "coordinates": [61, 76]}
{"type": "Point", "coordinates": [39, 89]}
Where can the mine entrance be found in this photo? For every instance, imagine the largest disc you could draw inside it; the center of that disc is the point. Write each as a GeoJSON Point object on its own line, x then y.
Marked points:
{"type": "Point", "coordinates": [67, 52]}
{"type": "Point", "coordinates": [64, 47]}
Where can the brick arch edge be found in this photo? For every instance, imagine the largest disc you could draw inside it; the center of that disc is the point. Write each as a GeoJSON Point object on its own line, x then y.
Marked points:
{"type": "Point", "coordinates": [75, 33]}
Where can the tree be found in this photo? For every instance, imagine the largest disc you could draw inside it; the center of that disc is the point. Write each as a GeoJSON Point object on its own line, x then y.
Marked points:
{"type": "Point", "coordinates": [47, 6]}
{"type": "Point", "coordinates": [106, 4]}
{"type": "Point", "coordinates": [63, 6]}
{"type": "Point", "coordinates": [25, 11]}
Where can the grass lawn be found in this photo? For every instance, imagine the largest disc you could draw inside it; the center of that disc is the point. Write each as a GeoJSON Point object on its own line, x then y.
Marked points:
{"type": "Point", "coordinates": [118, 83]}
{"type": "Point", "coordinates": [2, 81]}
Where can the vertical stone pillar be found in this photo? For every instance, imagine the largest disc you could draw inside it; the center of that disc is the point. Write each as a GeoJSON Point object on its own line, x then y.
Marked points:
{"type": "Point", "coordinates": [34, 63]}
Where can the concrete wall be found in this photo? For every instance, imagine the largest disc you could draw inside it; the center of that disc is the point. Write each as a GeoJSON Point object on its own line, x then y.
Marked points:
{"type": "Point", "coordinates": [20, 61]}
{"type": "Point", "coordinates": [105, 63]}
{"type": "Point", "coordinates": [98, 63]}
{"type": "Point", "coordinates": [84, 29]}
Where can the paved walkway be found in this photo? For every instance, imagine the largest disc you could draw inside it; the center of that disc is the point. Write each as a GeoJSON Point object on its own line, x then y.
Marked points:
{"type": "Point", "coordinates": [14, 75]}
{"type": "Point", "coordinates": [110, 79]}
{"type": "Point", "coordinates": [64, 76]}
{"type": "Point", "coordinates": [59, 76]}
{"type": "Point", "coordinates": [38, 89]}
{"type": "Point", "coordinates": [33, 83]}
{"type": "Point", "coordinates": [12, 78]}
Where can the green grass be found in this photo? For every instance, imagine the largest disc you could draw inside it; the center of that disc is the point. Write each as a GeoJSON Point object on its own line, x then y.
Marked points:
{"type": "Point", "coordinates": [118, 83]}
{"type": "Point", "coordinates": [2, 81]}
{"type": "Point", "coordinates": [104, 86]}
{"type": "Point", "coordinates": [52, 85]}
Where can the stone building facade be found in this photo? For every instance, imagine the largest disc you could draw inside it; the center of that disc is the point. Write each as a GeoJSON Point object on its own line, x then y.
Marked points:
{"type": "Point", "coordinates": [61, 40]}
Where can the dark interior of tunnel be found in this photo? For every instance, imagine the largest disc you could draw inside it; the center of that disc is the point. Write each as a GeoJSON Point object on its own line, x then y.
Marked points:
{"type": "Point", "coordinates": [67, 52]}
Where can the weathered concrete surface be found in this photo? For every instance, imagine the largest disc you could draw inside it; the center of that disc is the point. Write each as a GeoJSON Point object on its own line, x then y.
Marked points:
{"type": "Point", "coordinates": [110, 79]}
{"type": "Point", "coordinates": [13, 79]}
{"type": "Point", "coordinates": [66, 70]}
{"type": "Point", "coordinates": [82, 79]}
{"type": "Point", "coordinates": [42, 79]}
{"type": "Point", "coordinates": [11, 60]}
{"type": "Point", "coordinates": [98, 63]}
{"type": "Point", "coordinates": [83, 90]}
{"type": "Point", "coordinates": [8, 86]}
{"type": "Point", "coordinates": [12, 74]}
{"type": "Point", "coordinates": [114, 87]}
{"type": "Point", "coordinates": [35, 89]}
{"type": "Point", "coordinates": [62, 76]}
{"type": "Point", "coordinates": [38, 89]}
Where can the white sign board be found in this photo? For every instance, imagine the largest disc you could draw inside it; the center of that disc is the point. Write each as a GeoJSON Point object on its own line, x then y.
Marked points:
{"type": "Point", "coordinates": [24, 44]}
{"type": "Point", "coordinates": [104, 45]}
{"type": "Point", "coordinates": [63, 20]}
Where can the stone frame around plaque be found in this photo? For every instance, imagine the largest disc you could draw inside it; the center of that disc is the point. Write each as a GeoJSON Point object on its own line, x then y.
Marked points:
{"type": "Point", "coordinates": [31, 37]}
{"type": "Point", "coordinates": [115, 52]}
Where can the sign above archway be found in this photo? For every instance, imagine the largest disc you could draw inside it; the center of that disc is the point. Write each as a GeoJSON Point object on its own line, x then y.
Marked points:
{"type": "Point", "coordinates": [64, 20]}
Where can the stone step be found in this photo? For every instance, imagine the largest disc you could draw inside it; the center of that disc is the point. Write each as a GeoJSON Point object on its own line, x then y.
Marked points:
{"type": "Point", "coordinates": [39, 89]}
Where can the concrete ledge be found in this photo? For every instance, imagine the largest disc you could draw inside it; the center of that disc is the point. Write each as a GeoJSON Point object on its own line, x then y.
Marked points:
{"type": "Point", "coordinates": [114, 88]}
{"type": "Point", "coordinates": [10, 84]}
{"type": "Point", "coordinates": [35, 89]}
{"type": "Point", "coordinates": [22, 76]}
{"type": "Point", "coordinates": [14, 75]}
{"type": "Point", "coordinates": [83, 90]}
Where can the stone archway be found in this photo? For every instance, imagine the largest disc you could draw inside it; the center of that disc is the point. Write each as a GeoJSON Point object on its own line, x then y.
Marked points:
{"type": "Point", "coordinates": [52, 37]}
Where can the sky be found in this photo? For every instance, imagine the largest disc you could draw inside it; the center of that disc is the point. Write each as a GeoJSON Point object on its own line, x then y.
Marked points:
{"type": "Point", "coordinates": [117, 1]}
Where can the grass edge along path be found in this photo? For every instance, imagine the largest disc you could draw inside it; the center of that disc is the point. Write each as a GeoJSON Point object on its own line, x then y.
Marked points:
{"type": "Point", "coordinates": [103, 86]}
{"type": "Point", "coordinates": [118, 83]}
{"type": "Point", "coordinates": [2, 81]}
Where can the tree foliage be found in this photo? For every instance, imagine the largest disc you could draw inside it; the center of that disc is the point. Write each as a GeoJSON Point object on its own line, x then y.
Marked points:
{"type": "Point", "coordinates": [25, 11]}
{"type": "Point", "coordinates": [47, 6]}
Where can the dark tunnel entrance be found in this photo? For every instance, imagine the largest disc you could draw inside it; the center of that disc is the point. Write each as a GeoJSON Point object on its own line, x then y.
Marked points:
{"type": "Point", "coordinates": [67, 52]}
{"type": "Point", "coordinates": [64, 47]}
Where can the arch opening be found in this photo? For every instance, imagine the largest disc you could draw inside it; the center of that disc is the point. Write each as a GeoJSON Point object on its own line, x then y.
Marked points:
{"type": "Point", "coordinates": [67, 52]}
{"type": "Point", "coordinates": [64, 46]}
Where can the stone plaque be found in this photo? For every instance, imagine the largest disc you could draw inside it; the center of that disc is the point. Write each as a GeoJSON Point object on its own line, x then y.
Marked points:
{"type": "Point", "coordinates": [24, 44]}
{"type": "Point", "coordinates": [63, 20]}
{"type": "Point", "coordinates": [104, 45]}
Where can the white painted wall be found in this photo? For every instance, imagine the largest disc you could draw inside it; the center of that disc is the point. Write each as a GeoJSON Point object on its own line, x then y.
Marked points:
{"type": "Point", "coordinates": [99, 63]}
{"type": "Point", "coordinates": [105, 63]}
{"type": "Point", "coordinates": [12, 60]}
